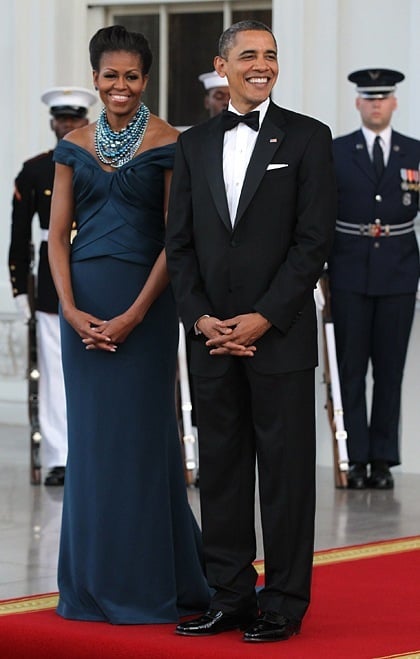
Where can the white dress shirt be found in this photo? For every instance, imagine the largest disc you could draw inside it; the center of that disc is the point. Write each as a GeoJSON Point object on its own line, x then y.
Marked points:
{"type": "Point", "coordinates": [238, 146]}
{"type": "Point", "coordinates": [385, 141]}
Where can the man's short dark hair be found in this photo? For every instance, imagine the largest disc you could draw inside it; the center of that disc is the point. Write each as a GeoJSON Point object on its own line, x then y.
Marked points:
{"type": "Point", "coordinates": [227, 39]}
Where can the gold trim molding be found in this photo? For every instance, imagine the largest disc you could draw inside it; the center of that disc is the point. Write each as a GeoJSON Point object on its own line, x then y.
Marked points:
{"type": "Point", "coordinates": [358, 552]}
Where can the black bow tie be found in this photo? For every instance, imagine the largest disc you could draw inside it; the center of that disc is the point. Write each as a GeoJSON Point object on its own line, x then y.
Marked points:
{"type": "Point", "coordinates": [231, 119]}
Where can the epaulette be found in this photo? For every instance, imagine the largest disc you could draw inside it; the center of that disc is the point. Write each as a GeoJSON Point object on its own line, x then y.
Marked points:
{"type": "Point", "coordinates": [40, 156]}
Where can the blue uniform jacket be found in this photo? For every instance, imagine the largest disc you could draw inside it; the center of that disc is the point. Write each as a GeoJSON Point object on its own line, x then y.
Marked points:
{"type": "Point", "coordinates": [384, 265]}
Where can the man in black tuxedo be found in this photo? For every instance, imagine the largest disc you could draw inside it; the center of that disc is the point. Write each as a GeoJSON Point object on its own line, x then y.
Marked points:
{"type": "Point", "coordinates": [374, 272]}
{"type": "Point", "coordinates": [250, 225]}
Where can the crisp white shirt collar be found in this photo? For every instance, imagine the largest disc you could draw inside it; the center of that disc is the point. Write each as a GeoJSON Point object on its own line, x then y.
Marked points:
{"type": "Point", "coordinates": [369, 135]}
{"type": "Point", "coordinates": [262, 108]}
{"type": "Point", "coordinates": [385, 141]}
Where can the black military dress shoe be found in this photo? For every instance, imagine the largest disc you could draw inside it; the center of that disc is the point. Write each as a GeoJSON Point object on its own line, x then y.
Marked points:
{"type": "Point", "coordinates": [55, 476]}
{"type": "Point", "coordinates": [357, 477]}
{"type": "Point", "coordinates": [380, 476]}
{"type": "Point", "coordinates": [271, 626]}
{"type": "Point", "coordinates": [215, 622]}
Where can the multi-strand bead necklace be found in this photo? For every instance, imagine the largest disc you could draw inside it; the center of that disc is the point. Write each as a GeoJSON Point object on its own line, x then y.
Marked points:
{"type": "Point", "coordinates": [115, 148]}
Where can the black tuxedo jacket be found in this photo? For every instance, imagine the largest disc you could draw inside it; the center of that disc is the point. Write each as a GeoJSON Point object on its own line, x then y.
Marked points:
{"type": "Point", "coordinates": [272, 257]}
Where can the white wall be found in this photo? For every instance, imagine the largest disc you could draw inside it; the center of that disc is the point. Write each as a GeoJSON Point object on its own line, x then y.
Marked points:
{"type": "Point", "coordinates": [44, 43]}
{"type": "Point", "coordinates": [322, 41]}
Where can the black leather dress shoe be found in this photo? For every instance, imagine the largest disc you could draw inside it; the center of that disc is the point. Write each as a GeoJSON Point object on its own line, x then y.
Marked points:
{"type": "Point", "coordinates": [380, 476]}
{"type": "Point", "coordinates": [55, 476]}
{"type": "Point", "coordinates": [215, 622]}
{"type": "Point", "coordinates": [357, 477]}
{"type": "Point", "coordinates": [271, 626]}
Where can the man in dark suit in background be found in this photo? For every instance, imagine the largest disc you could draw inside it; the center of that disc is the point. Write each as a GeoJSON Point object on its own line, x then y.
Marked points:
{"type": "Point", "coordinates": [374, 273]}
{"type": "Point", "coordinates": [33, 190]}
{"type": "Point", "coordinates": [250, 225]}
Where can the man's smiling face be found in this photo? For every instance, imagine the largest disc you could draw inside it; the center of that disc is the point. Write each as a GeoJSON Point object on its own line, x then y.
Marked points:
{"type": "Point", "coordinates": [251, 68]}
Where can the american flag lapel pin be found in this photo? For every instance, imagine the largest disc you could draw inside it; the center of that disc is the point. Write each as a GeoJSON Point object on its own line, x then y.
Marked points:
{"type": "Point", "coordinates": [273, 140]}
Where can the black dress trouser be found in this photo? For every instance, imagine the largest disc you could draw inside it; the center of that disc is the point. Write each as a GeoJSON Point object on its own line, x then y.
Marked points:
{"type": "Point", "coordinates": [375, 329]}
{"type": "Point", "coordinates": [245, 415]}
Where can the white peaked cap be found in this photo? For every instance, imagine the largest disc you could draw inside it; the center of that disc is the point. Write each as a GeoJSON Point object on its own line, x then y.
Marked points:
{"type": "Point", "coordinates": [212, 79]}
{"type": "Point", "coordinates": [75, 100]}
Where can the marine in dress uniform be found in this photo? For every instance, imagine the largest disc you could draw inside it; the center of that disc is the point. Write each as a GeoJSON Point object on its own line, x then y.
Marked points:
{"type": "Point", "coordinates": [32, 196]}
{"type": "Point", "coordinates": [374, 272]}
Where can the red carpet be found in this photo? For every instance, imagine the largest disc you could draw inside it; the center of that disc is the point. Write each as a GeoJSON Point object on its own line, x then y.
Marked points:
{"type": "Point", "coordinates": [366, 605]}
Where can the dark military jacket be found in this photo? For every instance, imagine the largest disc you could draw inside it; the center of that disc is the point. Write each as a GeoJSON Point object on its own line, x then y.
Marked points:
{"type": "Point", "coordinates": [33, 190]}
{"type": "Point", "coordinates": [383, 261]}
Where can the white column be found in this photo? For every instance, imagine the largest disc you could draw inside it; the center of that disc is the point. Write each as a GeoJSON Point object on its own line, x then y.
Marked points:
{"type": "Point", "coordinates": [289, 30]}
{"type": "Point", "coordinates": [378, 33]}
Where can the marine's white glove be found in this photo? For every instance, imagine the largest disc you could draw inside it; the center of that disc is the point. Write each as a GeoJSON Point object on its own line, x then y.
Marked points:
{"type": "Point", "coordinates": [22, 306]}
{"type": "Point", "coordinates": [319, 296]}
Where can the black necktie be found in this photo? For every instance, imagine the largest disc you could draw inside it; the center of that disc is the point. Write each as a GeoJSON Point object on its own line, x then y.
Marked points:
{"type": "Point", "coordinates": [231, 119]}
{"type": "Point", "coordinates": [378, 158]}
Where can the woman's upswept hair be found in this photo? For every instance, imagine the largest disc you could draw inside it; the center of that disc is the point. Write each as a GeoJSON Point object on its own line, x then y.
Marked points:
{"type": "Point", "coordinates": [116, 37]}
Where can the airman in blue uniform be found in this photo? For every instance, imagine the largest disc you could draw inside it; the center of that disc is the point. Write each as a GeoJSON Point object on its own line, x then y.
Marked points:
{"type": "Point", "coordinates": [374, 272]}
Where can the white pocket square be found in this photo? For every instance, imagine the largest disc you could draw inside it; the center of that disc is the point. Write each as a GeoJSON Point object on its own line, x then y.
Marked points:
{"type": "Point", "coordinates": [274, 165]}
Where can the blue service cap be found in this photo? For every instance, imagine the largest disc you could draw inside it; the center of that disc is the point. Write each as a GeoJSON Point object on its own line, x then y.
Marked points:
{"type": "Point", "coordinates": [375, 83]}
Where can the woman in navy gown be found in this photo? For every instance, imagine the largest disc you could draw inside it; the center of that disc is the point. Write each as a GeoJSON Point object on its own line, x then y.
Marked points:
{"type": "Point", "coordinates": [130, 547]}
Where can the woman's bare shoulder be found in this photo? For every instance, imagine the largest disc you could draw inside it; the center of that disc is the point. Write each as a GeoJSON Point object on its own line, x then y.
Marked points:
{"type": "Point", "coordinates": [83, 137]}
{"type": "Point", "coordinates": [160, 133]}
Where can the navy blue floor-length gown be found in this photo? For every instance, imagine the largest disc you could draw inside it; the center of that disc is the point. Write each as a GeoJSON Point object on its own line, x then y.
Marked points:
{"type": "Point", "coordinates": [130, 547]}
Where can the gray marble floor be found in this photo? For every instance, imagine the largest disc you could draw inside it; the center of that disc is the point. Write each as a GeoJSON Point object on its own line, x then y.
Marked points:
{"type": "Point", "coordinates": [30, 517]}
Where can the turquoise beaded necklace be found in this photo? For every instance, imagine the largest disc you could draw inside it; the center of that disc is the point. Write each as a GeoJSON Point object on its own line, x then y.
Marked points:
{"type": "Point", "coordinates": [115, 148]}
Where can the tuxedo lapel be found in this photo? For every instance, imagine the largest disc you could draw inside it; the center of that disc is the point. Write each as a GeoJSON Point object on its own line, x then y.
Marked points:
{"type": "Point", "coordinates": [213, 159]}
{"type": "Point", "coordinates": [268, 141]}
